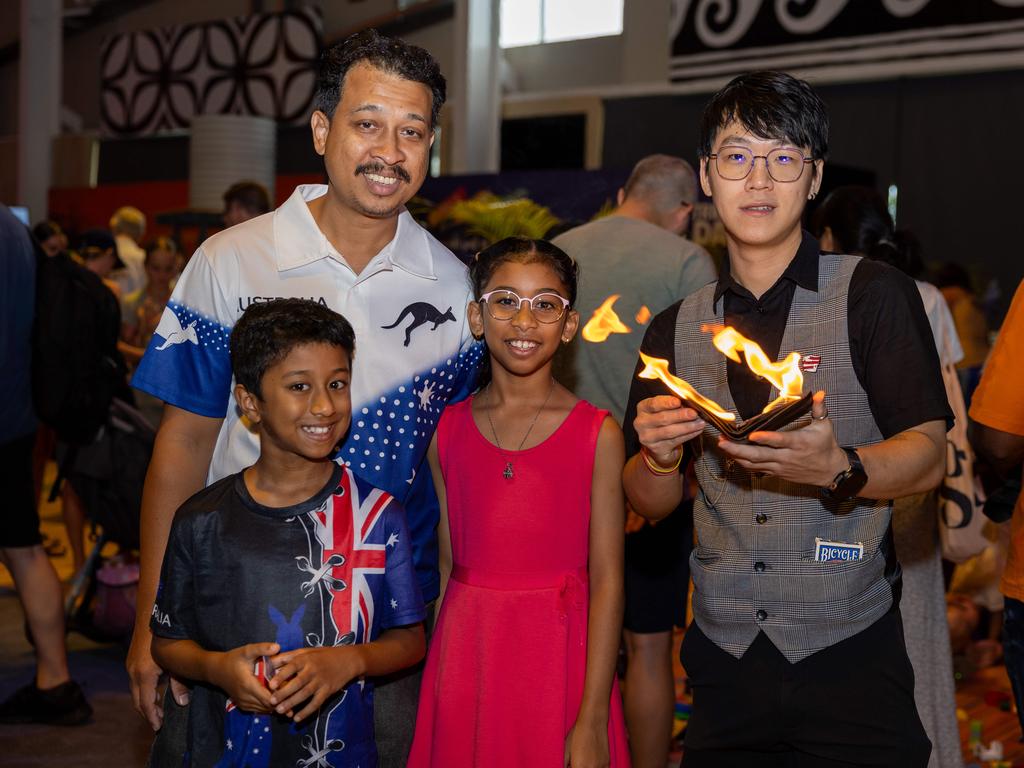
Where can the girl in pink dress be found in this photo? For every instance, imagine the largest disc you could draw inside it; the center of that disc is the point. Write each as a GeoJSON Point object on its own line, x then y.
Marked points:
{"type": "Point", "coordinates": [521, 668]}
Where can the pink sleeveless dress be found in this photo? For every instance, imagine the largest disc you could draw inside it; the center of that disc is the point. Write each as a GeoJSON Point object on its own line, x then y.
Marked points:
{"type": "Point", "coordinates": [504, 676]}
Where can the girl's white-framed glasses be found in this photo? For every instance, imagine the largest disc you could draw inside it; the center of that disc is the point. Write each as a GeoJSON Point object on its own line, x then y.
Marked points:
{"type": "Point", "coordinates": [504, 304]}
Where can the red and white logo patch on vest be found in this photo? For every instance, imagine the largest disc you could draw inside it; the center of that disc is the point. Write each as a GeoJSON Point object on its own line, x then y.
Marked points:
{"type": "Point", "coordinates": [810, 363]}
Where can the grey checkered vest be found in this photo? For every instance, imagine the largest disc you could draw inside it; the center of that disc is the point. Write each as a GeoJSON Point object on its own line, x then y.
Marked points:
{"type": "Point", "coordinates": [753, 566]}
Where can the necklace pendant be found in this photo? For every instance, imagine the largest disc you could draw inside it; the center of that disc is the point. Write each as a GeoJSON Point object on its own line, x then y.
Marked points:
{"type": "Point", "coordinates": [507, 474]}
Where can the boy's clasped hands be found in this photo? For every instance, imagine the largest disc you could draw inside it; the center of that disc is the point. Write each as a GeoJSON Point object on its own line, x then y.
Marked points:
{"type": "Point", "coordinates": [302, 676]}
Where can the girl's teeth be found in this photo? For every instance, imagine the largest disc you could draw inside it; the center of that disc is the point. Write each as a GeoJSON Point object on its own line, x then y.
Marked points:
{"type": "Point", "coordinates": [318, 430]}
{"type": "Point", "coordinates": [523, 344]}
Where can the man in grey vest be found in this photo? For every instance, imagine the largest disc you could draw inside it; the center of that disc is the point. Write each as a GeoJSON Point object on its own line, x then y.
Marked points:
{"type": "Point", "coordinates": [635, 263]}
{"type": "Point", "coordinates": [796, 653]}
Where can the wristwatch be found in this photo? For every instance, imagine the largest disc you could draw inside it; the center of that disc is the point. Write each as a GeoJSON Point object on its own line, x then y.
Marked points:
{"type": "Point", "coordinates": [847, 483]}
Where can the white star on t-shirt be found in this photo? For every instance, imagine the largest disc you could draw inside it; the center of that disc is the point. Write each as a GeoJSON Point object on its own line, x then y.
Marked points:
{"type": "Point", "coordinates": [392, 539]}
{"type": "Point", "coordinates": [394, 603]}
{"type": "Point", "coordinates": [425, 394]}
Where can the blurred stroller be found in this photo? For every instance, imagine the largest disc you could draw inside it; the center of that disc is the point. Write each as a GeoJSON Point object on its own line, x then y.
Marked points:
{"type": "Point", "coordinates": [108, 475]}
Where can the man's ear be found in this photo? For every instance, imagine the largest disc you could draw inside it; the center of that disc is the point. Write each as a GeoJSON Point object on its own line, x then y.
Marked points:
{"type": "Point", "coordinates": [819, 171]}
{"type": "Point", "coordinates": [682, 217]}
{"type": "Point", "coordinates": [474, 313]}
{"type": "Point", "coordinates": [248, 403]}
{"type": "Point", "coordinates": [620, 197]}
{"type": "Point", "coordinates": [321, 126]}
{"type": "Point", "coordinates": [705, 182]}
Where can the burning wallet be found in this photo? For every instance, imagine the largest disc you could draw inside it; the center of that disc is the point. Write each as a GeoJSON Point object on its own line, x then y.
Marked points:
{"type": "Point", "coordinates": [784, 375]}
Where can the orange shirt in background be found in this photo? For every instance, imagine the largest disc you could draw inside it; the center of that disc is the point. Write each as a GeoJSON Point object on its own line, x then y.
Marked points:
{"type": "Point", "coordinates": [998, 402]}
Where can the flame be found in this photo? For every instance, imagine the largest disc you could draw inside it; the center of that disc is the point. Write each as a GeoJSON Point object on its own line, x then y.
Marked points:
{"type": "Point", "coordinates": [656, 368]}
{"type": "Point", "coordinates": [643, 315]}
{"type": "Point", "coordinates": [784, 375]}
{"type": "Point", "coordinates": [604, 322]}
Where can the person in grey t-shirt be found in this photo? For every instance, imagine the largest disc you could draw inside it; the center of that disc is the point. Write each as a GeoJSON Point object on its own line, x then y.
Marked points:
{"type": "Point", "coordinates": [638, 254]}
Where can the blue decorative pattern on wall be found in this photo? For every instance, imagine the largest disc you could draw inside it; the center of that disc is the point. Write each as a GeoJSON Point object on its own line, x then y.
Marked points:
{"type": "Point", "coordinates": [157, 80]}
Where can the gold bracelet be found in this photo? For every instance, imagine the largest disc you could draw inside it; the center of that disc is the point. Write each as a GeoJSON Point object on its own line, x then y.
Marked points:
{"type": "Point", "coordinates": [655, 469]}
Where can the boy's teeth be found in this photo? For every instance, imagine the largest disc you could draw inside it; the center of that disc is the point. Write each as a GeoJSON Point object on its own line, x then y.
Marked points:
{"type": "Point", "coordinates": [318, 430]}
{"type": "Point", "coordinates": [381, 179]}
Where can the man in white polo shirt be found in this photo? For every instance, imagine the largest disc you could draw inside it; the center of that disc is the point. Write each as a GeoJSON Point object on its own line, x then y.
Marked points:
{"type": "Point", "coordinates": [353, 247]}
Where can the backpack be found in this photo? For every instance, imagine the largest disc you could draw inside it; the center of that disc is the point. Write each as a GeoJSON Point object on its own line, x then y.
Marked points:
{"type": "Point", "coordinates": [76, 368]}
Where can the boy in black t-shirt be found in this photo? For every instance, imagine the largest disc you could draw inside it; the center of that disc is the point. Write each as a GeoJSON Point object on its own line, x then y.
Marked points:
{"type": "Point", "coordinates": [286, 584]}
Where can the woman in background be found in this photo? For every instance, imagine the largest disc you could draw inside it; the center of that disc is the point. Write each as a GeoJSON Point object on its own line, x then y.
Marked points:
{"type": "Point", "coordinates": [854, 220]}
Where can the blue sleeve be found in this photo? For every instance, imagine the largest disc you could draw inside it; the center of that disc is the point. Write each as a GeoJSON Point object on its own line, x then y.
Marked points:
{"type": "Point", "coordinates": [402, 601]}
{"type": "Point", "coordinates": [469, 365]}
{"type": "Point", "coordinates": [173, 613]}
{"type": "Point", "coordinates": [188, 360]}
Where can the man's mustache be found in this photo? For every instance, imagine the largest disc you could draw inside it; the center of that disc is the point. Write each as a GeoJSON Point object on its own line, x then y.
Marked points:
{"type": "Point", "coordinates": [382, 169]}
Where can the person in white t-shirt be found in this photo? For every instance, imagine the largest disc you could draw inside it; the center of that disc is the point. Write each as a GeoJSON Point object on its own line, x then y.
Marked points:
{"type": "Point", "coordinates": [353, 247]}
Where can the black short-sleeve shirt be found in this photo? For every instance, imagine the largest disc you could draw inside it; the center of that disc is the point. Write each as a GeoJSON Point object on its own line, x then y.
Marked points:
{"type": "Point", "coordinates": [891, 343]}
{"type": "Point", "coordinates": [334, 570]}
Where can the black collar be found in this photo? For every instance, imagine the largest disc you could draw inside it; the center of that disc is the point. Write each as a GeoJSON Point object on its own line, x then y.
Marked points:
{"type": "Point", "coordinates": [802, 270]}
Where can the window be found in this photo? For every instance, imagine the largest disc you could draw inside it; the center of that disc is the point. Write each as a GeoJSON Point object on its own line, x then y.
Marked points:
{"type": "Point", "coordinates": [530, 22]}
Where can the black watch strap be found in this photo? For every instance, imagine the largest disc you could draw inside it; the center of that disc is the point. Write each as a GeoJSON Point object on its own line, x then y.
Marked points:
{"type": "Point", "coordinates": [850, 481]}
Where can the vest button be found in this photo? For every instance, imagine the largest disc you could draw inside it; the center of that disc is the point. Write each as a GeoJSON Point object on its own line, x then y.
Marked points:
{"type": "Point", "coordinates": [761, 518]}
{"type": "Point", "coordinates": [759, 566]}
{"type": "Point", "coordinates": [762, 615]}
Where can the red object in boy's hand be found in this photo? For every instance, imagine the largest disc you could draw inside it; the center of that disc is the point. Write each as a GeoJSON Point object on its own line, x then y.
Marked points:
{"type": "Point", "coordinates": [264, 670]}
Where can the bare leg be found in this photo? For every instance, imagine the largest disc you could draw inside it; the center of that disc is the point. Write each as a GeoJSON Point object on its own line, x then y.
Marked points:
{"type": "Point", "coordinates": [40, 594]}
{"type": "Point", "coordinates": [649, 697]}
{"type": "Point", "coordinates": [74, 521]}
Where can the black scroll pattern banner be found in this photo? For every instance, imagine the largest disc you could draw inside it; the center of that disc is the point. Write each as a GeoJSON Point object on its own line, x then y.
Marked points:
{"type": "Point", "coordinates": [158, 80]}
{"type": "Point", "coordinates": [837, 40]}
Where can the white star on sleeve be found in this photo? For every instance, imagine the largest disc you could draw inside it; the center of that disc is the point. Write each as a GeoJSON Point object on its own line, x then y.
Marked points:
{"type": "Point", "coordinates": [394, 603]}
{"type": "Point", "coordinates": [392, 539]}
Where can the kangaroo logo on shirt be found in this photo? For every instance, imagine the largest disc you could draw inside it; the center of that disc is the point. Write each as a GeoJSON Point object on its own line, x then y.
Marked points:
{"type": "Point", "coordinates": [422, 313]}
{"type": "Point", "coordinates": [172, 332]}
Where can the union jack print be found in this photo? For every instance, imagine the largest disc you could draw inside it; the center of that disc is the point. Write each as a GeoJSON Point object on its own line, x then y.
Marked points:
{"type": "Point", "coordinates": [343, 527]}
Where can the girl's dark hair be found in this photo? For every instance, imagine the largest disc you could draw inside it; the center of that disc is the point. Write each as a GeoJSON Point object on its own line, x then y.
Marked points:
{"type": "Point", "coordinates": [860, 224]}
{"type": "Point", "coordinates": [161, 244]}
{"type": "Point", "coordinates": [522, 250]}
{"type": "Point", "coordinates": [772, 105]}
{"type": "Point", "coordinates": [388, 54]}
{"type": "Point", "coordinates": [268, 331]}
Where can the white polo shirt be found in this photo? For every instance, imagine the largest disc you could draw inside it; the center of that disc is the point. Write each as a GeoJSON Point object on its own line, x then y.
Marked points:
{"type": "Point", "coordinates": [414, 349]}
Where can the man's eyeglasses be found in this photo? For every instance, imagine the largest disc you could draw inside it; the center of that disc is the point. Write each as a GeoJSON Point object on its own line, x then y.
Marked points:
{"type": "Point", "coordinates": [735, 163]}
{"type": "Point", "coordinates": [504, 305]}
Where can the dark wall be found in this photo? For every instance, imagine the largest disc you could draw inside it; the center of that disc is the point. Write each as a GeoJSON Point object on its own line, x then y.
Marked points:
{"type": "Point", "coordinates": [951, 144]}
{"type": "Point", "coordinates": [165, 158]}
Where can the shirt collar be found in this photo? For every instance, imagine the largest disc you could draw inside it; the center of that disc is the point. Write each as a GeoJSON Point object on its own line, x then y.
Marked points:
{"type": "Point", "coordinates": [298, 240]}
{"type": "Point", "coordinates": [802, 269]}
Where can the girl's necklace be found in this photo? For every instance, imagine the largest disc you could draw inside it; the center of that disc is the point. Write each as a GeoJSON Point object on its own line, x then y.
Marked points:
{"type": "Point", "coordinates": [509, 472]}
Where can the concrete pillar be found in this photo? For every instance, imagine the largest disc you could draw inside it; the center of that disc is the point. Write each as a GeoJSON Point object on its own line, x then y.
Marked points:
{"type": "Point", "coordinates": [475, 89]}
{"type": "Point", "coordinates": [39, 99]}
